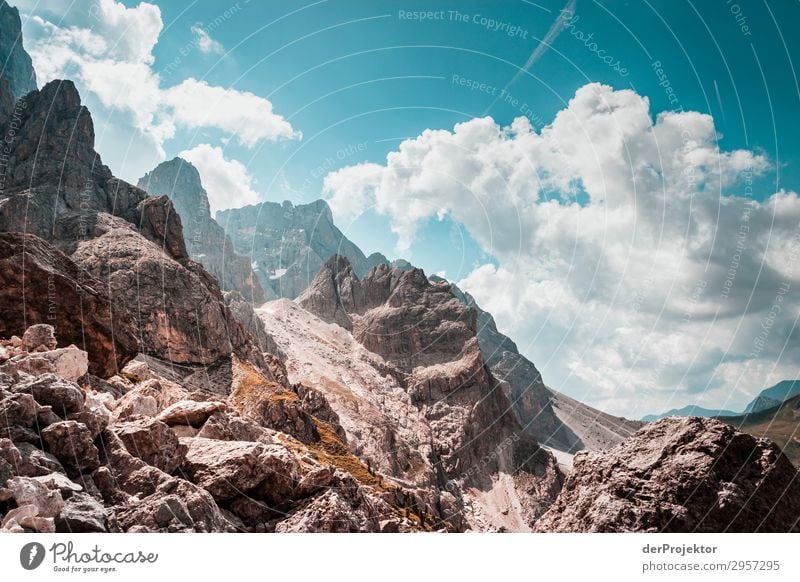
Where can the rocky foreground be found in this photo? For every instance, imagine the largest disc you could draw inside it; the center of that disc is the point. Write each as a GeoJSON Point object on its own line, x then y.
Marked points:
{"type": "Point", "coordinates": [159, 449]}
{"type": "Point", "coordinates": [144, 453]}
{"type": "Point", "coordinates": [680, 475]}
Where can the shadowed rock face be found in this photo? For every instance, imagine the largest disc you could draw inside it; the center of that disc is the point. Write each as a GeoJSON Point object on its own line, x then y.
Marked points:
{"type": "Point", "coordinates": [206, 241]}
{"type": "Point", "coordinates": [54, 290]}
{"type": "Point", "coordinates": [289, 244]}
{"type": "Point", "coordinates": [180, 313]}
{"type": "Point", "coordinates": [55, 182]}
{"type": "Point", "coordinates": [15, 63]}
{"type": "Point", "coordinates": [413, 322]}
{"type": "Point", "coordinates": [680, 475]}
{"type": "Point", "coordinates": [57, 188]}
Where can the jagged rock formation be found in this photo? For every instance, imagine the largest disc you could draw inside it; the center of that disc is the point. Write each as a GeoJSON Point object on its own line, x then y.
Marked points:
{"type": "Point", "coordinates": [55, 291]}
{"type": "Point", "coordinates": [15, 64]}
{"type": "Point", "coordinates": [381, 424]}
{"type": "Point", "coordinates": [334, 293]}
{"type": "Point", "coordinates": [289, 244]}
{"type": "Point", "coordinates": [680, 475]}
{"type": "Point", "coordinates": [206, 241]}
{"type": "Point", "coordinates": [431, 382]}
{"type": "Point", "coordinates": [181, 314]}
{"type": "Point", "coordinates": [521, 381]}
{"type": "Point", "coordinates": [167, 457]}
{"type": "Point", "coordinates": [58, 189]}
{"type": "Point", "coordinates": [55, 183]}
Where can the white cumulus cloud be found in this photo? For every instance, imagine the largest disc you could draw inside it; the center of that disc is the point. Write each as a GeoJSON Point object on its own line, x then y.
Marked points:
{"type": "Point", "coordinates": [636, 266]}
{"type": "Point", "coordinates": [205, 44]}
{"type": "Point", "coordinates": [107, 49]}
{"type": "Point", "coordinates": [227, 182]}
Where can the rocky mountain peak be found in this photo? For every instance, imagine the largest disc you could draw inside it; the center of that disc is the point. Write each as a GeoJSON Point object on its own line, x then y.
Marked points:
{"type": "Point", "coordinates": [206, 241]}
{"type": "Point", "coordinates": [179, 180]}
{"type": "Point", "coordinates": [56, 183]}
{"type": "Point", "coordinates": [15, 63]}
{"type": "Point", "coordinates": [334, 293]}
{"type": "Point", "coordinates": [57, 189]}
{"type": "Point", "coordinates": [54, 143]}
{"type": "Point", "coordinates": [433, 380]}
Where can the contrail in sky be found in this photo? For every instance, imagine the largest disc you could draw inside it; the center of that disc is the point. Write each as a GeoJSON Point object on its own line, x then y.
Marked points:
{"type": "Point", "coordinates": [719, 101]}
{"type": "Point", "coordinates": [544, 44]}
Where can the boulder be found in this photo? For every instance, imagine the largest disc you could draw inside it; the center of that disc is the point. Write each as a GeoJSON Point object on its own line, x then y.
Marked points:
{"type": "Point", "coordinates": [17, 409]}
{"type": "Point", "coordinates": [36, 462]}
{"type": "Point", "coordinates": [40, 338]}
{"type": "Point", "coordinates": [189, 412]}
{"type": "Point", "coordinates": [137, 371]}
{"type": "Point", "coordinates": [58, 482]}
{"type": "Point", "coordinates": [26, 518]}
{"type": "Point", "coordinates": [82, 513]}
{"type": "Point", "coordinates": [95, 415]}
{"type": "Point", "coordinates": [226, 469]}
{"type": "Point", "coordinates": [62, 396]}
{"type": "Point", "coordinates": [28, 491]}
{"type": "Point", "coordinates": [151, 441]}
{"type": "Point", "coordinates": [176, 506]}
{"type": "Point", "coordinates": [680, 475]}
{"type": "Point", "coordinates": [143, 400]}
{"type": "Point", "coordinates": [70, 363]}
{"type": "Point", "coordinates": [72, 444]}
{"type": "Point", "coordinates": [226, 427]}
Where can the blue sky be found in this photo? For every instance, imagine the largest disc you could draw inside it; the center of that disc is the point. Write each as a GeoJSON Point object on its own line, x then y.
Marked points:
{"type": "Point", "coordinates": [356, 79]}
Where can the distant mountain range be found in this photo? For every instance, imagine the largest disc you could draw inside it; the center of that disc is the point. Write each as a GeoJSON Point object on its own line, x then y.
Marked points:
{"type": "Point", "coordinates": [206, 241]}
{"type": "Point", "coordinates": [766, 399]}
{"type": "Point", "coordinates": [288, 244]}
{"type": "Point", "coordinates": [774, 396]}
{"type": "Point", "coordinates": [778, 423]}
{"type": "Point", "coordinates": [690, 410]}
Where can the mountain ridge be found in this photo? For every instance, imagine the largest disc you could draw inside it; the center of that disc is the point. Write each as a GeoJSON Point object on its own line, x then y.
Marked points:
{"type": "Point", "coordinates": [288, 243]}
{"type": "Point", "coordinates": [206, 240]}
{"type": "Point", "coordinates": [16, 67]}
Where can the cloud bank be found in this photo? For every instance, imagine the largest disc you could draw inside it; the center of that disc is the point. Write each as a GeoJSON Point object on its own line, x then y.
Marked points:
{"type": "Point", "coordinates": [638, 268]}
{"type": "Point", "coordinates": [107, 49]}
{"type": "Point", "coordinates": [227, 182]}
